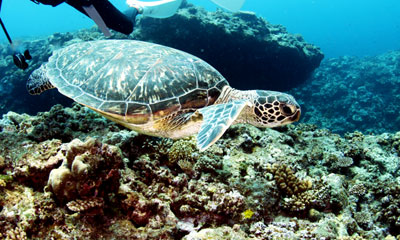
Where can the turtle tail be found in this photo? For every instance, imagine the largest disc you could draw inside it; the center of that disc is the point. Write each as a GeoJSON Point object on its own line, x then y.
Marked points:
{"type": "Point", "coordinates": [38, 81]}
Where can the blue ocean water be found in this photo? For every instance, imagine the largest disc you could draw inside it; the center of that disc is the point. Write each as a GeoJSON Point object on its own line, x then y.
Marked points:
{"type": "Point", "coordinates": [340, 27]}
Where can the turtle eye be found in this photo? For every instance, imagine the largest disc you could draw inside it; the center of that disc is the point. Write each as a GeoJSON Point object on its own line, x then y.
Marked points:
{"type": "Point", "coordinates": [287, 110]}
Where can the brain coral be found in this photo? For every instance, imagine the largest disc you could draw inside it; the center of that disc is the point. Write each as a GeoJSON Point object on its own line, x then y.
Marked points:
{"type": "Point", "coordinates": [90, 169]}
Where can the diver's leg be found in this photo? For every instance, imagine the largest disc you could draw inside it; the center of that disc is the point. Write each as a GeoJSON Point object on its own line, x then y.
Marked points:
{"type": "Point", "coordinates": [131, 14]}
{"type": "Point", "coordinates": [113, 18]}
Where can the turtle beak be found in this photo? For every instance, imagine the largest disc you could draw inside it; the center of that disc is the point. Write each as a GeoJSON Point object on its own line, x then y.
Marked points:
{"type": "Point", "coordinates": [296, 116]}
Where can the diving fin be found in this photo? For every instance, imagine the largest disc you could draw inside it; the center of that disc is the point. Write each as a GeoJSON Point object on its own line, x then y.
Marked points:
{"type": "Point", "coordinates": [231, 5]}
{"type": "Point", "coordinates": [156, 9]}
{"type": "Point", "coordinates": [95, 16]}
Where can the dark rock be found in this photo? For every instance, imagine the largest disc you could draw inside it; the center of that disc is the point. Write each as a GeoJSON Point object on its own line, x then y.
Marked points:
{"type": "Point", "coordinates": [248, 51]}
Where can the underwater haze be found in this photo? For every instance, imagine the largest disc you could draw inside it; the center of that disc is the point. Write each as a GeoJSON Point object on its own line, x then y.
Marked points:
{"type": "Point", "coordinates": [341, 27]}
{"type": "Point", "coordinates": [87, 170]}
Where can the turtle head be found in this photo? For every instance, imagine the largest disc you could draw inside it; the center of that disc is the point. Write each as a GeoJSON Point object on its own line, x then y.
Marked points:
{"type": "Point", "coordinates": [272, 109]}
{"type": "Point", "coordinates": [38, 81]}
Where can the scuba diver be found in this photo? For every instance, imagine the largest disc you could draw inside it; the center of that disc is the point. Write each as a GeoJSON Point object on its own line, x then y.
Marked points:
{"type": "Point", "coordinates": [106, 16]}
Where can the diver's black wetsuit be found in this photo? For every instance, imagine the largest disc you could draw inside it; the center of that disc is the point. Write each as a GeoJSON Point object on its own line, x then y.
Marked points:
{"type": "Point", "coordinates": [111, 16]}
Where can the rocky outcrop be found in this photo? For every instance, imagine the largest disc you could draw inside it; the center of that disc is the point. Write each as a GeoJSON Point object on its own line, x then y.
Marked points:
{"type": "Point", "coordinates": [248, 51]}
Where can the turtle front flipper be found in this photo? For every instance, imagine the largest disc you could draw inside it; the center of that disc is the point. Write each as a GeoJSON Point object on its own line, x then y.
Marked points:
{"type": "Point", "coordinates": [38, 81]}
{"type": "Point", "coordinates": [216, 119]}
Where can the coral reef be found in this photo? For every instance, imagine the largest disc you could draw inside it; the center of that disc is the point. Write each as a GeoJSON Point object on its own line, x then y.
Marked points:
{"type": "Point", "coordinates": [60, 123]}
{"type": "Point", "coordinates": [362, 94]}
{"type": "Point", "coordinates": [294, 182]}
{"type": "Point", "coordinates": [389, 194]}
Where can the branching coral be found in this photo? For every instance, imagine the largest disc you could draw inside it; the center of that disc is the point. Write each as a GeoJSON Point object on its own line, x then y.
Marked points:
{"type": "Point", "coordinates": [358, 189]}
{"type": "Point", "coordinates": [15, 234]}
{"type": "Point", "coordinates": [287, 181]}
{"type": "Point", "coordinates": [66, 123]}
{"type": "Point", "coordinates": [298, 194]}
{"type": "Point", "coordinates": [85, 205]}
{"type": "Point", "coordinates": [184, 149]}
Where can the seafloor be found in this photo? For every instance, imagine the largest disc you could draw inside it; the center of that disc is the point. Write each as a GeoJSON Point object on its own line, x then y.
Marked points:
{"type": "Point", "coordinates": [69, 173]}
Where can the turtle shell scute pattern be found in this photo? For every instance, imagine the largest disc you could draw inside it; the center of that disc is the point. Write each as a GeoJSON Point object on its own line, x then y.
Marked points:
{"type": "Point", "coordinates": [136, 81]}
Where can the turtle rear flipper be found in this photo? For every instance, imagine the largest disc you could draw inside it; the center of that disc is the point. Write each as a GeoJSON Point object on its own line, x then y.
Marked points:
{"type": "Point", "coordinates": [216, 119]}
{"type": "Point", "coordinates": [38, 81]}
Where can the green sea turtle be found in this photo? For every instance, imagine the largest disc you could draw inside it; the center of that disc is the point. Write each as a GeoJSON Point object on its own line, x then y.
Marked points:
{"type": "Point", "coordinates": [157, 90]}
